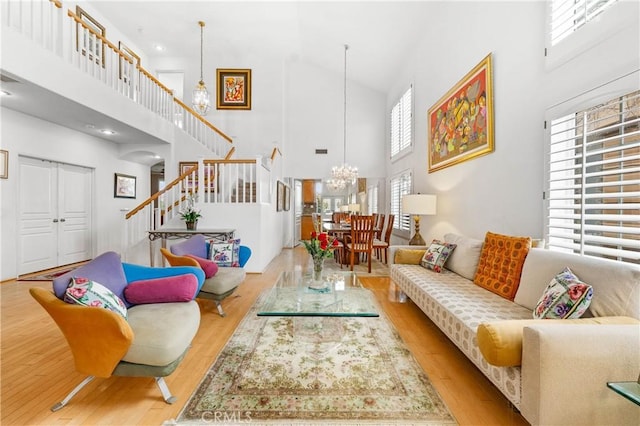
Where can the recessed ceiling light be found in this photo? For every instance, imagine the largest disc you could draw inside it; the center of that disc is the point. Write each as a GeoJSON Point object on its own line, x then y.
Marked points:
{"type": "Point", "coordinates": [159, 48]}
{"type": "Point", "coordinates": [107, 132]}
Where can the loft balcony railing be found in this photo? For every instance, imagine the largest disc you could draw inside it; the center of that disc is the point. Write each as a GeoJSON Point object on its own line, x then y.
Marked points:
{"type": "Point", "coordinates": [80, 43]}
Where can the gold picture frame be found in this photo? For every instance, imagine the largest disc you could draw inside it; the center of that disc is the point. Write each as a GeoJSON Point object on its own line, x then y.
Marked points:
{"type": "Point", "coordinates": [460, 124]}
{"type": "Point", "coordinates": [233, 89]}
{"type": "Point", "coordinates": [123, 69]}
{"type": "Point", "coordinates": [87, 44]}
{"type": "Point", "coordinates": [4, 164]}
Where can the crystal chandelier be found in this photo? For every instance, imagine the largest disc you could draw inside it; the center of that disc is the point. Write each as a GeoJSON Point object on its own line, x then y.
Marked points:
{"type": "Point", "coordinates": [344, 174]}
{"type": "Point", "coordinates": [201, 102]}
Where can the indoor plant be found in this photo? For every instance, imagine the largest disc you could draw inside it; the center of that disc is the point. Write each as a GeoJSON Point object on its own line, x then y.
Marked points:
{"type": "Point", "coordinates": [189, 213]}
{"type": "Point", "coordinates": [320, 246]}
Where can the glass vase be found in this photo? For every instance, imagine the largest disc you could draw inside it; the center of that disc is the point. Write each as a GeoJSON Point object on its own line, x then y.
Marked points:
{"type": "Point", "coordinates": [318, 263]}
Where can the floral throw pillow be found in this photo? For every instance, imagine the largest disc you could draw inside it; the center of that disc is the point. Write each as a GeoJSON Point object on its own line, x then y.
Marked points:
{"type": "Point", "coordinates": [225, 254]}
{"type": "Point", "coordinates": [436, 255]}
{"type": "Point", "coordinates": [83, 291]}
{"type": "Point", "coordinates": [565, 297]}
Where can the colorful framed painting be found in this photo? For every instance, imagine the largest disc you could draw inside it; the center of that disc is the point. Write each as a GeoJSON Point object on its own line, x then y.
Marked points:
{"type": "Point", "coordinates": [124, 186]}
{"type": "Point", "coordinates": [233, 88]}
{"type": "Point", "coordinates": [460, 124]}
{"type": "Point", "coordinates": [184, 167]}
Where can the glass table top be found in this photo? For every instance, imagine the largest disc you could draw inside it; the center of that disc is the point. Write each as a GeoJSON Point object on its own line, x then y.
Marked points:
{"type": "Point", "coordinates": [338, 294]}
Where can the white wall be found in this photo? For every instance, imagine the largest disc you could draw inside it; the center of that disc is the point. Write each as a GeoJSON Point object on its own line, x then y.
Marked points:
{"type": "Point", "coordinates": [502, 191]}
{"type": "Point", "coordinates": [25, 135]}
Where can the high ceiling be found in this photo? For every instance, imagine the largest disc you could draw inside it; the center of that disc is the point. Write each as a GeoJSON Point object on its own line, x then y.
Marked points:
{"type": "Point", "coordinates": [380, 33]}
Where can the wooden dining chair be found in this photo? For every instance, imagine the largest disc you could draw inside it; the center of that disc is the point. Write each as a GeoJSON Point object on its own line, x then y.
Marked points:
{"type": "Point", "coordinates": [361, 238]}
{"type": "Point", "coordinates": [383, 244]}
{"type": "Point", "coordinates": [378, 225]}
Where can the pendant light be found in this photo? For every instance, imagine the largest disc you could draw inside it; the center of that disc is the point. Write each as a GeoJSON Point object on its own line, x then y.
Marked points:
{"type": "Point", "coordinates": [344, 174]}
{"type": "Point", "coordinates": [201, 102]}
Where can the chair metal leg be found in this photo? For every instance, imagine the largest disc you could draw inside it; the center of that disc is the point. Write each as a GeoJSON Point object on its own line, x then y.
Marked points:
{"type": "Point", "coordinates": [166, 393]}
{"type": "Point", "coordinates": [71, 394]}
{"type": "Point", "coordinates": [220, 310]}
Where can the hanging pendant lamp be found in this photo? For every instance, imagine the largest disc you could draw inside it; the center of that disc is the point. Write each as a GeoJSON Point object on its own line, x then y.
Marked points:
{"type": "Point", "coordinates": [201, 102]}
{"type": "Point", "coordinates": [344, 174]}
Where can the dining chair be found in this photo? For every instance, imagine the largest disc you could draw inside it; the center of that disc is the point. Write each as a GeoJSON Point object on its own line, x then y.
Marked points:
{"type": "Point", "coordinates": [383, 244]}
{"type": "Point", "coordinates": [360, 240]}
{"type": "Point", "coordinates": [379, 225]}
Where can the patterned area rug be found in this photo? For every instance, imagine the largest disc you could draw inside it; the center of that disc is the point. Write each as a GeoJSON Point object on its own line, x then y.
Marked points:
{"type": "Point", "coordinates": [282, 370]}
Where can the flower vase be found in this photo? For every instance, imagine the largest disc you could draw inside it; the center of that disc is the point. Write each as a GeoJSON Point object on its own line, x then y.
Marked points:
{"type": "Point", "coordinates": [318, 263]}
{"type": "Point", "coordinates": [191, 226]}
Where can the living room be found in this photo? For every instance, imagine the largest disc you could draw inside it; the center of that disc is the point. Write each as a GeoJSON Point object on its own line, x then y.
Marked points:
{"type": "Point", "coordinates": [502, 191]}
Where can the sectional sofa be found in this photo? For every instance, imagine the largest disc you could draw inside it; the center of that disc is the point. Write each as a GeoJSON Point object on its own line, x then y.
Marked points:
{"type": "Point", "coordinates": [554, 371]}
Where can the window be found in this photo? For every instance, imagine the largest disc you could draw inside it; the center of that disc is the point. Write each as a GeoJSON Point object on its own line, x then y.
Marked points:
{"type": "Point", "coordinates": [401, 124]}
{"type": "Point", "coordinates": [594, 181]}
{"type": "Point", "coordinates": [569, 15]}
{"type": "Point", "coordinates": [400, 185]}
{"type": "Point", "coordinates": [372, 195]}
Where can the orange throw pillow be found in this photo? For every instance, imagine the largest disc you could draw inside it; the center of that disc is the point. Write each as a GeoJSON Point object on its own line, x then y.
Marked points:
{"type": "Point", "coordinates": [500, 264]}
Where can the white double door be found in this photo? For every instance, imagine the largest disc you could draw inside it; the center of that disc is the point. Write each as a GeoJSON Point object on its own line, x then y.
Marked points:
{"type": "Point", "coordinates": [54, 202]}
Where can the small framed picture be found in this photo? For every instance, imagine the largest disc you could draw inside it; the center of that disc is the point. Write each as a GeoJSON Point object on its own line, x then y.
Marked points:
{"type": "Point", "coordinates": [287, 198]}
{"type": "Point", "coordinates": [233, 88]}
{"type": "Point", "coordinates": [4, 164]}
{"type": "Point", "coordinates": [126, 66]}
{"type": "Point", "coordinates": [86, 40]}
{"type": "Point", "coordinates": [124, 186]}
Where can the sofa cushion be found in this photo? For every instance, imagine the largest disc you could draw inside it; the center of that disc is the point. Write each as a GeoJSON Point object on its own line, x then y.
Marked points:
{"type": "Point", "coordinates": [500, 342]}
{"type": "Point", "coordinates": [105, 269]}
{"type": "Point", "coordinates": [225, 254]}
{"type": "Point", "coordinates": [179, 288]}
{"type": "Point", "coordinates": [408, 256]}
{"type": "Point", "coordinates": [565, 297]}
{"type": "Point", "coordinates": [616, 285]}
{"type": "Point", "coordinates": [464, 259]}
{"type": "Point", "coordinates": [196, 245]}
{"type": "Point", "coordinates": [208, 266]}
{"type": "Point", "coordinates": [436, 255]}
{"type": "Point", "coordinates": [224, 281]}
{"type": "Point", "coordinates": [162, 331]}
{"type": "Point", "coordinates": [500, 263]}
{"type": "Point", "coordinates": [83, 291]}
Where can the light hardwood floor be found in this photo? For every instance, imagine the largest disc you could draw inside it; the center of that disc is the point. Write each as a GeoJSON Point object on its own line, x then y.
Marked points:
{"type": "Point", "coordinates": [36, 367]}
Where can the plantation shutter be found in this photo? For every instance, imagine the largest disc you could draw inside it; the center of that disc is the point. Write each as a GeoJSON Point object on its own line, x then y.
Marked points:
{"type": "Point", "coordinates": [373, 199]}
{"type": "Point", "coordinates": [594, 181]}
{"type": "Point", "coordinates": [400, 185]}
{"type": "Point", "coordinates": [401, 123]}
{"type": "Point", "coordinates": [569, 15]}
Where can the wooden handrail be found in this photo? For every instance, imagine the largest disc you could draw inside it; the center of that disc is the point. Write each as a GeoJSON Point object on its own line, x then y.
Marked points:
{"type": "Point", "coordinates": [155, 80]}
{"type": "Point", "coordinates": [155, 196]}
{"type": "Point", "coordinates": [275, 151]}
{"type": "Point", "coordinates": [205, 122]}
{"type": "Point", "coordinates": [230, 153]}
{"type": "Point", "coordinates": [251, 161]}
{"type": "Point", "coordinates": [57, 3]}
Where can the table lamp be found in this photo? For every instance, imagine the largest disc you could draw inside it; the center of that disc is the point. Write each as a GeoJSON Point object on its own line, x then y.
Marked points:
{"type": "Point", "coordinates": [354, 208]}
{"type": "Point", "coordinates": [417, 205]}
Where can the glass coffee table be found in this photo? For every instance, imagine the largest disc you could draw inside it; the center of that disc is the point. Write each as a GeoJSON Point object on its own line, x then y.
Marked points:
{"type": "Point", "coordinates": [338, 294]}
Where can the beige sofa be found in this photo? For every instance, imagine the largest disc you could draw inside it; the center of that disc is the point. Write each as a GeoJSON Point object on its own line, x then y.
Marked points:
{"type": "Point", "coordinates": [564, 367]}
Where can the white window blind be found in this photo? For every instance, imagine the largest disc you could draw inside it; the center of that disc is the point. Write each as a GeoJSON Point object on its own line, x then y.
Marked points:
{"type": "Point", "coordinates": [400, 185]}
{"type": "Point", "coordinates": [594, 181]}
{"type": "Point", "coordinates": [401, 123]}
{"type": "Point", "coordinates": [372, 194]}
{"type": "Point", "coordinates": [569, 15]}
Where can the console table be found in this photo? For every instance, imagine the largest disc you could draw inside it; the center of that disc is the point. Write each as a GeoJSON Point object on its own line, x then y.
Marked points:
{"type": "Point", "coordinates": [221, 235]}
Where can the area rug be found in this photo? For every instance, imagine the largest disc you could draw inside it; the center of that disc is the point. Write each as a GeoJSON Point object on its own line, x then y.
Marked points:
{"type": "Point", "coordinates": [378, 268]}
{"type": "Point", "coordinates": [46, 276]}
{"type": "Point", "coordinates": [312, 370]}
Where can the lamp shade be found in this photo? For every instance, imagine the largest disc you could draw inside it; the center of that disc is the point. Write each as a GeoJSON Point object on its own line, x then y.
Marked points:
{"type": "Point", "coordinates": [354, 207]}
{"type": "Point", "coordinates": [419, 204]}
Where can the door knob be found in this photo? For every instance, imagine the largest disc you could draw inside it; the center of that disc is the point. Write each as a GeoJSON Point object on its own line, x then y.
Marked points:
{"type": "Point", "coordinates": [55, 220]}
{"type": "Point", "coordinates": [63, 220]}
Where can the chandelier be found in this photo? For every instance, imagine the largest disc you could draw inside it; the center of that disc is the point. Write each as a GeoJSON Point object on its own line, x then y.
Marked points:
{"type": "Point", "coordinates": [201, 102]}
{"type": "Point", "coordinates": [344, 174]}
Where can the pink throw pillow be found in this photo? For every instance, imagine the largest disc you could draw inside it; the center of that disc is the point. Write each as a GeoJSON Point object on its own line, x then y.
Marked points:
{"type": "Point", "coordinates": [208, 266]}
{"type": "Point", "coordinates": [179, 288]}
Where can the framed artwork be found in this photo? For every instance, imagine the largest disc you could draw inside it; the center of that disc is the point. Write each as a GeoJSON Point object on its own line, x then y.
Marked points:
{"type": "Point", "coordinates": [86, 42]}
{"type": "Point", "coordinates": [184, 167]}
{"type": "Point", "coordinates": [287, 198]}
{"type": "Point", "coordinates": [233, 88]}
{"type": "Point", "coordinates": [4, 164]}
{"type": "Point", "coordinates": [124, 67]}
{"type": "Point", "coordinates": [124, 186]}
{"type": "Point", "coordinates": [460, 124]}
{"type": "Point", "coordinates": [280, 196]}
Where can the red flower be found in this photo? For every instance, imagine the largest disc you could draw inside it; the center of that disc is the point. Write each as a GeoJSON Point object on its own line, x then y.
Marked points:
{"type": "Point", "coordinates": [323, 244]}
{"type": "Point", "coordinates": [313, 234]}
{"type": "Point", "coordinates": [335, 242]}
{"type": "Point", "coordinates": [322, 236]}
